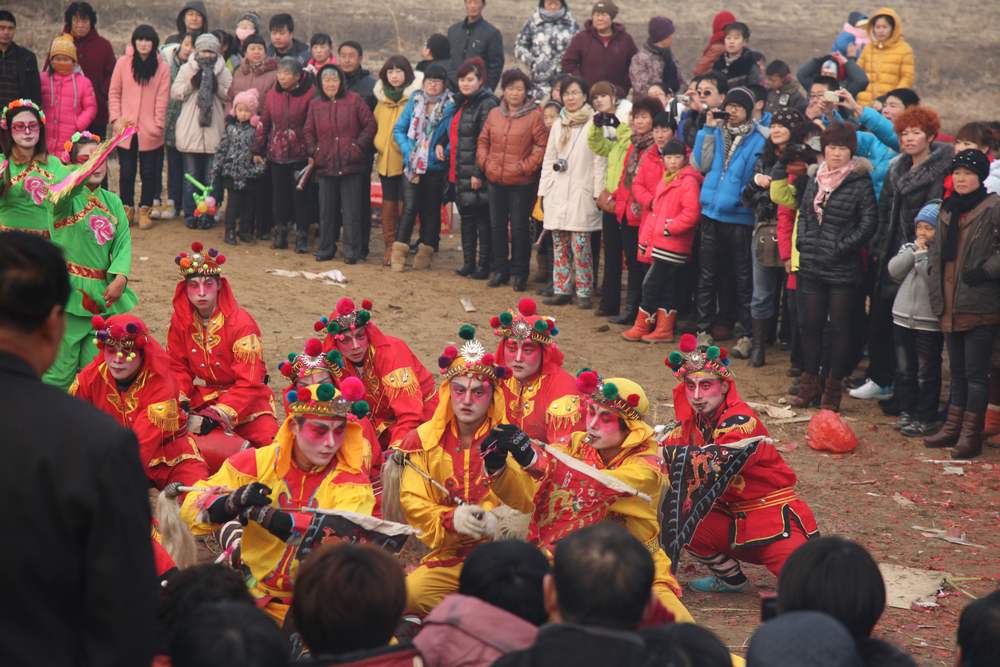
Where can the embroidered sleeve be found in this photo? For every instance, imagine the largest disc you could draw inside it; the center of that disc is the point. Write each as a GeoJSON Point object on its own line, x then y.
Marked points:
{"type": "Point", "coordinates": [562, 415]}
{"type": "Point", "coordinates": [249, 349]}
{"type": "Point", "coordinates": [164, 415]}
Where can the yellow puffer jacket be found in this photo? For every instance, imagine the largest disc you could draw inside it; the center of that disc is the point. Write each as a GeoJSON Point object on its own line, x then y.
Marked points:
{"type": "Point", "coordinates": [888, 64]}
{"type": "Point", "coordinates": [387, 112]}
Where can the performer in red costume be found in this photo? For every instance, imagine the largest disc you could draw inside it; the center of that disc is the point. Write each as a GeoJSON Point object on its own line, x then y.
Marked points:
{"type": "Point", "coordinates": [216, 353]}
{"type": "Point", "coordinates": [542, 398]}
{"type": "Point", "coordinates": [399, 389]}
{"type": "Point", "coordinates": [130, 380]}
{"type": "Point", "coordinates": [757, 516]}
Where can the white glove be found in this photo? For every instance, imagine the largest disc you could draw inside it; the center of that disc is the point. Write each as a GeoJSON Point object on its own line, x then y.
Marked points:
{"type": "Point", "coordinates": [471, 520]}
{"type": "Point", "coordinates": [491, 525]}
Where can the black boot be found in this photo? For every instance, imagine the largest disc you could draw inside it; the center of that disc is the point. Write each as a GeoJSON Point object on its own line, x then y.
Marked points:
{"type": "Point", "coordinates": [498, 279]}
{"type": "Point", "coordinates": [279, 237]}
{"type": "Point", "coordinates": [230, 236]}
{"type": "Point", "coordinates": [301, 241]}
{"type": "Point", "coordinates": [468, 231]}
{"type": "Point", "coordinates": [760, 329]}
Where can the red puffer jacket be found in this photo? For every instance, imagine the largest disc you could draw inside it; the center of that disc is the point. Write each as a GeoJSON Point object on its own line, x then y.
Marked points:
{"type": "Point", "coordinates": [281, 135]}
{"type": "Point", "coordinates": [644, 185]}
{"type": "Point", "coordinates": [670, 229]}
{"type": "Point", "coordinates": [339, 134]}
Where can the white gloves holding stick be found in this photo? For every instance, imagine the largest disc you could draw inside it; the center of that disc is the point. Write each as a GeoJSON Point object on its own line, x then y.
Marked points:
{"type": "Point", "coordinates": [474, 521]}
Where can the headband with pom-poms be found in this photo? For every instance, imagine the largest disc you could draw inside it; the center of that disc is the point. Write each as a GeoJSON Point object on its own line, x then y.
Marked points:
{"type": "Point", "coordinates": [470, 359]}
{"type": "Point", "coordinates": [199, 262]}
{"type": "Point", "coordinates": [607, 394]}
{"type": "Point", "coordinates": [322, 400]}
{"type": "Point", "coordinates": [693, 358]}
{"type": "Point", "coordinates": [312, 358]}
{"type": "Point", "coordinates": [125, 333]}
{"type": "Point", "coordinates": [346, 316]}
{"type": "Point", "coordinates": [525, 323]}
{"type": "Point", "coordinates": [14, 106]}
{"type": "Point", "coordinates": [77, 138]}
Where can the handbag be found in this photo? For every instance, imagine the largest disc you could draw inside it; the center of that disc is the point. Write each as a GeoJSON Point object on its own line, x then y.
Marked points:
{"type": "Point", "coordinates": [765, 243]}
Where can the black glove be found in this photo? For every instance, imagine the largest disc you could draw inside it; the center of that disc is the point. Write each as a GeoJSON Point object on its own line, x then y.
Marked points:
{"type": "Point", "coordinates": [226, 508]}
{"type": "Point", "coordinates": [207, 424]}
{"type": "Point", "coordinates": [515, 441]}
{"type": "Point", "coordinates": [976, 276]}
{"type": "Point", "coordinates": [273, 520]}
{"type": "Point", "coordinates": [494, 456]}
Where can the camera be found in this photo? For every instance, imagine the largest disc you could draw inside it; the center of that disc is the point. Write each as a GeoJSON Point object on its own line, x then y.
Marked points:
{"type": "Point", "coordinates": [683, 99]}
{"type": "Point", "coordinates": [831, 96]}
{"type": "Point", "coordinates": [560, 165]}
{"type": "Point", "coordinates": [720, 115]}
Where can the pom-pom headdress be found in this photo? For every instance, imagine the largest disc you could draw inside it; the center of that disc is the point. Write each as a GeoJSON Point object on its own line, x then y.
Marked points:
{"type": "Point", "coordinates": [693, 358]}
{"type": "Point", "coordinates": [200, 262]}
{"type": "Point", "coordinates": [13, 108]}
{"type": "Point", "coordinates": [322, 400]}
{"type": "Point", "coordinates": [345, 317]}
{"type": "Point", "coordinates": [125, 333]}
{"type": "Point", "coordinates": [310, 359]}
{"type": "Point", "coordinates": [618, 395]}
{"type": "Point", "coordinates": [76, 138]}
{"type": "Point", "coordinates": [470, 359]}
{"type": "Point", "coordinates": [525, 323]}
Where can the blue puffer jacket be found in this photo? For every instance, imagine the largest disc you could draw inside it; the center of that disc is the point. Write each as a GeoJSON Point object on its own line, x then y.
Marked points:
{"type": "Point", "coordinates": [402, 127]}
{"type": "Point", "coordinates": [721, 193]}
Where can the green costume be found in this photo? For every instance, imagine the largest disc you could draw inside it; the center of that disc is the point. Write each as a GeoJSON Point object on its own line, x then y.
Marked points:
{"type": "Point", "coordinates": [25, 206]}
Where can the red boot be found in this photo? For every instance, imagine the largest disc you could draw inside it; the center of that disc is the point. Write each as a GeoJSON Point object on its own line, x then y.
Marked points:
{"type": "Point", "coordinates": [643, 323]}
{"type": "Point", "coordinates": [663, 332]}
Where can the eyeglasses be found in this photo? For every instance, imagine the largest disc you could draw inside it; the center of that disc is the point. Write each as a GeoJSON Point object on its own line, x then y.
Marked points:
{"type": "Point", "coordinates": [21, 126]}
{"type": "Point", "coordinates": [704, 93]}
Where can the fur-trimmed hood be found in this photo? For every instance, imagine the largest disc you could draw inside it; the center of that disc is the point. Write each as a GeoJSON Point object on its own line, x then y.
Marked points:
{"type": "Point", "coordinates": [415, 85]}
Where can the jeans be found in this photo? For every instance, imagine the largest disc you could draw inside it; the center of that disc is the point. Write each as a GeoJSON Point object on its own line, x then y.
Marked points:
{"type": "Point", "coordinates": [510, 207]}
{"type": "Point", "coordinates": [423, 198]}
{"type": "Point", "coordinates": [175, 177]}
{"type": "Point", "coordinates": [289, 203]}
{"type": "Point", "coordinates": [918, 371]}
{"type": "Point", "coordinates": [571, 256]}
{"type": "Point", "coordinates": [197, 165]}
{"type": "Point", "coordinates": [826, 308]}
{"type": "Point", "coordinates": [659, 287]}
{"type": "Point", "coordinates": [340, 206]}
{"type": "Point", "coordinates": [150, 165]}
{"type": "Point", "coordinates": [969, 354]}
{"type": "Point", "coordinates": [240, 207]}
{"type": "Point", "coordinates": [725, 249]}
{"type": "Point", "coordinates": [766, 289]}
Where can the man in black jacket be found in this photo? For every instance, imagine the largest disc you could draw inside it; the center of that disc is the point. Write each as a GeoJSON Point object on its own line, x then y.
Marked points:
{"type": "Point", "coordinates": [80, 587]}
{"type": "Point", "coordinates": [475, 36]}
{"type": "Point", "coordinates": [360, 82]}
{"type": "Point", "coordinates": [18, 66]}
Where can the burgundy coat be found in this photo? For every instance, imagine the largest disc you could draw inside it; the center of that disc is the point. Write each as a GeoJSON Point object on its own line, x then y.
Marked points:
{"type": "Point", "coordinates": [588, 58]}
{"type": "Point", "coordinates": [281, 135]}
{"type": "Point", "coordinates": [339, 134]}
{"type": "Point", "coordinates": [97, 60]}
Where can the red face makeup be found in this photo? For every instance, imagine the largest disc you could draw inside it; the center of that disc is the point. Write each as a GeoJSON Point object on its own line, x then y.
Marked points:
{"type": "Point", "coordinates": [470, 399]}
{"type": "Point", "coordinates": [705, 392]}
{"type": "Point", "coordinates": [203, 293]}
{"type": "Point", "coordinates": [604, 427]}
{"type": "Point", "coordinates": [122, 365]}
{"type": "Point", "coordinates": [317, 441]}
{"type": "Point", "coordinates": [524, 357]}
{"type": "Point", "coordinates": [353, 345]}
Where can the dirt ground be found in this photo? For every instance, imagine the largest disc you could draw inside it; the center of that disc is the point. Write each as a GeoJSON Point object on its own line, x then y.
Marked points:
{"type": "Point", "coordinates": [875, 495]}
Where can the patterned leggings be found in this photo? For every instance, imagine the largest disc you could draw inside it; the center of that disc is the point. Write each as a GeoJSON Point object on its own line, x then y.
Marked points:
{"type": "Point", "coordinates": [571, 252]}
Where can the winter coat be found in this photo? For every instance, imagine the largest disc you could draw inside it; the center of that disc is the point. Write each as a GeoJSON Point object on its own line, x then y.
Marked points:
{"type": "Point", "coordinates": [233, 158]}
{"type": "Point", "coordinates": [402, 128]}
{"type": "Point", "coordinates": [646, 180]}
{"type": "Point", "coordinates": [569, 196]}
{"type": "Point", "coordinates": [721, 193]}
{"type": "Point", "coordinates": [472, 113]}
{"type": "Point", "coordinates": [297, 49]}
{"type": "Point", "coordinates": [464, 631]}
{"type": "Point", "coordinates": [338, 135]}
{"type": "Point", "coordinates": [541, 43]}
{"type": "Point", "coordinates": [510, 150]}
{"type": "Point", "coordinates": [646, 69]}
{"type": "Point", "coordinates": [830, 252]}
{"type": "Point", "coordinates": [874, 122]}
{"type": "Point", "coordinates": [390, 159]}
{"type": "Point", "coordinates": [70, 106]}
{"type": "Point", "coordinates": [396, 655]}
{"type": "Point", "coordinates": [912, 307]}
{"type": "Point", "coordinates": [362, 83]}
{"type": "Point", "coordinates": [169, 53]}
{"type": "Point", "coordinates": [741, 72]}
{"type": "Point", "coordinates": [610, 144]}
{"type": "Point", "coordinates": [668, 233]}
{"type": "Point", "coordinates": [580, 646]}
{"type": "Point", "coordinates": [789, 96]}
{"type": "Point", "coordinates": [480, 39]}
{"type": "Point", "coordinates": [281, 135]}
{"type": "Point", "coordinates": [190, 136]}
{"type": "Point", "coordinates": [587, 57]}
{"type": "Point", "coordinates": [756, 198]}
{"type": "Point", "coordinates": [146, 104]}
{"type": "Point", "coordinates": [992, 181]}
{"type": "Point", "coordinates": [96, 58]}
{"type": "Point", "coordinates": [981, 249]}
{"type": "Point", "coordinates": [888, 64]}
{"type": "Point", "coordinates": [850, 75]}
{"type": "Point", "coordinates": [707, 60]}
{"type": "Point", "coordinates": [19, 75]}
{"type": "Point", "coordinates": [247, 76]}
{"type": "Point", "coordinates": [199, 7]}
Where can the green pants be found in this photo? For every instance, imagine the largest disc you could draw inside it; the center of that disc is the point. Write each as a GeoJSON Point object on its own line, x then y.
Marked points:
{"type": "Point", "coordinates": [76, 351]}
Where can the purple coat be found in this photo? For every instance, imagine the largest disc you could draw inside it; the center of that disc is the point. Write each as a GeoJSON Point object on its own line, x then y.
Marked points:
{"type": "Point", "coordinates": [587, 57]}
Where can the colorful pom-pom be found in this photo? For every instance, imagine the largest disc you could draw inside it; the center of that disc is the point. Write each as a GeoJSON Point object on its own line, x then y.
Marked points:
{"type": "Point", "coordinates": [305, 395]}
{"type": "Point", "coordinates": [363, 317]}
{"type": "Point", "coordinates": [197, 246]}
{"type": "Point", "coordinates": [318, 326]}
{"type": "Point", "coordinates": [185, 262]}
{"type": "Point", "coordinates": [586, 381]}
{"type": "Point", "coordinates": [325, 392]}
{"type": "Point", "coordinates": [292, 396]}
{"type": "Point", "coordinates": [335, 358]}
{"type": "Point", "coordinates": [609, 390]}
{"type": "Point", "coordinates": [712, 352]}
{"type": "Point", "coordinates": [674, 359]}
{"type": "Point", "coordinates": [501, 372]}
{"type": "Point", "coordinates": [314, 347]}
{"type": "Point", "coordinates": [527, 307]}
{"type": "Point", "coordinates": [450, 351]}
{"type": "Point", "coordinates": [325, 320]}
{"type": "Point", "coordinates": [212, 252]}
{"type": "Point", "coordinates": [506, 319]}
{"type": "Point", "coordinates": [633, 400]}
{"type": "Point", "coordinates": [333, 328]}
{"type": "Point", "coordinates": [725, 362]}
{"type": "Point", "coordinates": [345, 306]}
{"type": "Point", "coordinates": [366, 304]}
{"type": "Point", "coordinates": [291, 357]}
{"type": "Point", "coordinates": [688, 343]}
{"type": "Point", "coordinates": [495, 322]}
{"type": "Point", "coordinates": [352, 389]}
{"type": "Point", "coordinates": [554, 332]}
{"type": "Point", "coordinates": [467, 332]}
{"type": "Point", "coordinates": [541, 326]}
{"type": "Point", "coordinates": [723, 353]}
{"type": "Point", "coordinates": [97, 322]}
{"type": "Point", "coordinates": [220, 260]}
{"type": "Point", "coordinates": [487, 360]}
{"type": "Point", "coordinates": [443, 362]}
{"type": "Point", "coordinates": [285, 368]}
{"type": "Point", "coordinates": [360, 409]}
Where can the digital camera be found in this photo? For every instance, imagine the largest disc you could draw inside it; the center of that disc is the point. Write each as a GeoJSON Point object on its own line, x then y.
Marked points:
{"type": "Point", "coordinates": [560, 165]}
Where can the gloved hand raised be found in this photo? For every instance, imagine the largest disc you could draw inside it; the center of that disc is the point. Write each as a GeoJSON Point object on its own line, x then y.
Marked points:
{"type": "Point", "coordinates": [273, 520]}
{"type": "Point", "coordinates": [515, 441]}
{"type": "Point", "coordinates": [474, 521]}
{"type": "Point", "coordinates": [249, 495]}
{"type": "Point", "coordinates": [494, 456]}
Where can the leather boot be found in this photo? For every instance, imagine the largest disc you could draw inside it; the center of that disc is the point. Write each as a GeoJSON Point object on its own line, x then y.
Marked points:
{"type": "Point", "coordinates": [948, 435]}
{"type": "Point", "coordinates": [130, 215]}
{"type": "Point", "coordinates": [422, 260]}
{"type": "Point", "coordinates": [399, 252]}
{"type": "Point", "coordinates": [145, 221]}
{"type": "Point", "coordinates": [832, 393]}
{"type": "Point", "coordinates": [970, 440]}
{"type": "Point", "coordinates": [279, 237]}
{"type": "Point", "coordinates": [808, 391]}
{"type": "Point", "coordinates": [643, 323]}
{"type": "Point", "coordinates": [663, 331]}
{"type": "Point", "coordinates": [760, 329]}
{"type": "Point", "coordinates": [390, 218]}
{"type": "Point", "coordinates": [301, 241]}
{"type": "Point", "coordinates": [468, 234]}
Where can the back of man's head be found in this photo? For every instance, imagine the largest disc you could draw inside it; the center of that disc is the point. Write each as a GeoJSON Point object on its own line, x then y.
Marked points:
{"type": "Point", "coordinates": [603, 577]}
{"type": "Point", "coordinates": [507, 574]}
{"type": "Point", "coordinates": [979, 632]}
{"type": "Point", "coordinates": [195, 587]}
{"type": "Point", "coordinates": [685, 644]}
{"type": "Point", "coordinates": [228, 635]}
{"type": "Point", "coordinates": [33, 280]}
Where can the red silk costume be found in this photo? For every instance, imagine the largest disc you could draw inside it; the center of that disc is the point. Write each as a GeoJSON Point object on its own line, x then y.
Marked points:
{"type": "Point", "coordinates": [221, 364]}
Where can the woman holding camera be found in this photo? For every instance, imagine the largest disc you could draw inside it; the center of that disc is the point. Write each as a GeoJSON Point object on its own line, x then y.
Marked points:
{"type": "Point", "coordinates": [568, 191]}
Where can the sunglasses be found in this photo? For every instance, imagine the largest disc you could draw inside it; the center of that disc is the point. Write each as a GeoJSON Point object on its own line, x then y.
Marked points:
{"type": "Point", "coordinates": [20, 126]}
{"type": "Point", "coordinates": [704, 93]}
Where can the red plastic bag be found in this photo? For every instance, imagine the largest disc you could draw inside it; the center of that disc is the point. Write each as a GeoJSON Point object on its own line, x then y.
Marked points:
{"type": "Point", "coordinates": [829, 432]}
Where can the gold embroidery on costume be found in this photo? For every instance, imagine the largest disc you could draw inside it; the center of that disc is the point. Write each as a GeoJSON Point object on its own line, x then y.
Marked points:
{"type": "Point", "coordinates": [164, 415]}
{"type": "Point", "coordinates": [125, 403]}
{"type": "Point", "coordinates": [207, 340]}
{"type": "Point", "coordinates": [91, 205]}
{"type": "Point", "coordinates": [75, 387]}
{"type": "Point", "coordinates": [563, 411]}
{"type": "Point", "coordinates": [401, 381]}
{"type": "Point", "coordinates": [523, 402]}
{"type": "Point", "coordinates": [249, 349]}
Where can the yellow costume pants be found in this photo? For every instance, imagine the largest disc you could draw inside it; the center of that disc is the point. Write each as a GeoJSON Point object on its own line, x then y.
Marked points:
{"type": "Point", "coordinates": [427, 586]}
{"type": "Point", "coordinates": [663, 587]}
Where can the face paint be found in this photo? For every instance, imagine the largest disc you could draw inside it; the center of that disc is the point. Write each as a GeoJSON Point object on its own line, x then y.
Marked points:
{"type": "Point", "coordinates": [705, 392]}
{"type": "Point", "coordinates": [470, 399]}
{"type": "Point", "coordinates": [203, 293]}
{"type": "Point", "coordinates": [604, 428]}
{"type": "Point", "coordinates": [353, 345]}
{"type": "Point", "coordinates": [524, 357]}
{"type": "Point", "coordinates": [317, 440]}
{"type": "Point", "coordinates": [123, 365]}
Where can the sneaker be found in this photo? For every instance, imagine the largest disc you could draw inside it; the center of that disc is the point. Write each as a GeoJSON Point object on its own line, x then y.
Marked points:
{"type": "Point", "coordinates": [854, 383]}
{"type": "Point", "coordinates": [742, 348]}
{"type": "Point", "coordinates": [869, 390]}
{"type": "Point", "coordinates": [712, 584]}
{"type": "Point", "coordinates": [902, 421]}
{"type": "Point", "coordinates": [919, 429]}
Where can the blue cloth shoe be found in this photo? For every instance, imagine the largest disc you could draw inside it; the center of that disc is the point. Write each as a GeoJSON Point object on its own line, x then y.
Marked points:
{"type": "Point", "coordinates": [712, 584]}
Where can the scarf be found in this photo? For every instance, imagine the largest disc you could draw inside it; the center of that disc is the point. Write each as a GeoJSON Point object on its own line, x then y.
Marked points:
{"type": "Point", "coordinates": [393, 94]}
{"type": "Point", "coordinates": [731, 138]}
{"type": "Point", "coordinates": [828, 180]}
{"type": "Point", "coordinates": [669, 79]}
{"type": "Point", "coordinates": [422, 125]}
{"type": "Point", "coordinates": [640, 143]}
{"type": "Point", "coordinates": [570, 119]}
{"type": "Point", "coordinates": [668, 177]}
{"type": "Point", "coordinates": [958, 205]}
{"type": "Point", "coordinates": [549, 16]}
{"type": "Point", "coordinates": [525, 109]}
{"type": "Point", "coordinates": [206, 90]}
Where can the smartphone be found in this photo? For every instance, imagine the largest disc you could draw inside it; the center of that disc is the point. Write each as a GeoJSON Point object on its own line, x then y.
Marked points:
{"type": "Point", "coordinates": [768, 606]}
{"type": "Point", "coordinates": [720, 115]}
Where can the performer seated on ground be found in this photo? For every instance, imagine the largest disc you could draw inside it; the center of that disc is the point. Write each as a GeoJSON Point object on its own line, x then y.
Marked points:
{"type": "Point", "coordinates": [454, 512]}
{"type": "Point", "coordinates": [216, 353]}
{"type": "Point", "coordinates": [618, 441]}
{"type": "Point", "coordinates": [759, 518]}
{"type": "Point", "coordinates": [131, 381]}
{"type": "Point", "coordinates": [399, 389]}
{"type": "Point", "coordinates": [316, 462]}
{"type": "Point", "coordinates": [541, 396]}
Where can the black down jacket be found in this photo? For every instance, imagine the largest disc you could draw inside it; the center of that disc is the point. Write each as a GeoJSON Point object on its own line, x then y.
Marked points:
{"type": "Point", "coordinates": [830, 252]}
{"type": "Point", "coordinates": [474, 110]}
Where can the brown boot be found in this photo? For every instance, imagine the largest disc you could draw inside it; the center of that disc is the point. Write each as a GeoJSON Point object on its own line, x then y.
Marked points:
{"type": "Point", "coordinates": [643, 323]}
{"type": "Point", "coordinates": [390, 217]}
{"type": "Point", "coordinates": [948, 435]}
{"type": "Point", "coordinates": [145, 221]}
{"type": "Point", "coordinates": [808, 391]}
{"type": "Point", "coordinates": [399, 252]}
{"type": "Point", "coordinates": [130, 215]}
{"type": "Point", "coordinates": [422, 260]}
{"type": "Point", "coordinates": [663, 332]}
{"type": "Point", "coordinates": [970, 440]}
{"type": "Point", "coordinates": [832, 393]}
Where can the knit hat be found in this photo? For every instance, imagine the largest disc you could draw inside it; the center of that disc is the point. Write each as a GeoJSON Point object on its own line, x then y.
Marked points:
{"type": "Point", "coordinates": [602, 88]}
{"type": "Point", "coordinates": [690, 357]}
{"type": "Point", "coordinates": [789, 117]}
{"type": "Point", "coordinates": [63, 46]}
{"type": "Point", "coordinates": [249, 98]}
{"type": "Point", "coordinates": [660, 27]}
{"type": "Point", "coordinates": [439, 46]}
{"type": "Point", "coordinates": [973, 160]}
{"type": "Point", "coordinates": [673, 147]}
{"type": "Point", "coordinates": [436, 72]}
{"type": "Point", "coordinates": [605, 7]}
{"type": "Point", "coordinates": [857, 19]}
{"type": "Point", "coordinates": [740, 96]}
{"type": "Point", "coordinates": [780, 642]}
{"type": "Point", "coordinates": [929, 213]}
{"type": "Point", "coordinates": [844, 40]}
{"type": "Point", "coordinates": [208, 42]}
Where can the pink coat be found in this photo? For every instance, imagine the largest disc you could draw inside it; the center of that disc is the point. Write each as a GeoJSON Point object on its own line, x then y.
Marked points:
{"type": "Point", "coordinates": [464, 631]}
{"type": "Point", "coordinates": [145, 105]}
{"type": "Point", "coordinates": [70, 106]}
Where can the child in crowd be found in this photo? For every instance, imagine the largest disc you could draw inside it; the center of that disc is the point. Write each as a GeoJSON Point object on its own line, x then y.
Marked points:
{"type": "Point", "coordinates": [649, 175]}
{"type": "Point", "coordinates": [68, 98]}
{"type": "Point", "coordinates": [784, 92]}
{"type": "Point", "coordinates": [237, 165]}
{"type": "Point", "coordinates": [738, 63]}
{"type": "Point", "coordinates": [917, 332]}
